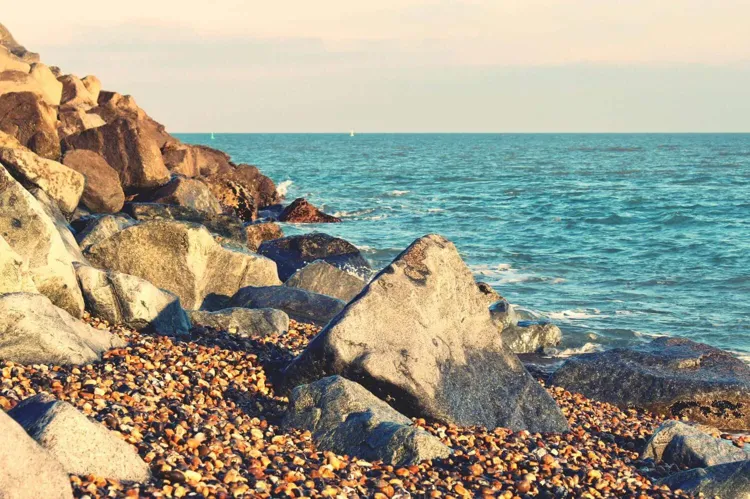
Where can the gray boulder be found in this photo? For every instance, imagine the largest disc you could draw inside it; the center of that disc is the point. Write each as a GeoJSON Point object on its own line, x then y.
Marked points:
{"type": "Point", "coordinates": [34, 331]}
{"type": "Point", "coordinates": [228, 226]}
{"type": "Point", "coordinates": [525, 337]}
{"type": "Point", "coordinates": [243, 321]}
{"type": "Point", "coordinates": [299, 304]}
{"type": "Point", "coordinates": [184, 259]}
{"type": "Point", "coordinates": [420, 336]}
{"type": "Point", "coordinates": [125, 299]}
{"type": "Point", "coordinates": [26, 470]}
{"type": "Point", "coordinates": [30, 232]}
{"type": "Point", "coordinates": [503, 314]}
{"type": "Point", "coordinates": [669, 376]}
{"type": "Point", "coordinates": [727, 481]}
{"type": "Point", "coordinates": [323, 278]}
{"type": "Point", "coordinates": [100, 228]}
{"type": "Point", "coordinates": [82, 446]}
{"type": "Point", "coordinates": [187, 192]}
{"type": "Point", "coordinates": [61, 225]}
{"type": "Point", "coordinates": [345, 418]}
{"type": "Point", "coordinates": [14, 271]}
{"type": "Point", "coordinates": [689, 447]}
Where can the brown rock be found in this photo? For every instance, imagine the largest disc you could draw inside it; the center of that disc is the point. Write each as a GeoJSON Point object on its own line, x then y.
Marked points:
{"type": "Point", "coordinates": [113, 106]}
{"type": "Point", "coordinates": [75, 93]}
{"type": "Point", "coordinates": [76, 120]}
{"type": "Point", "coordinates": [257, 233]}
{"type": "Point", "coordinates": [50, 88]}
{"type": "Point", "coordinates": [93, 85]}
{"type": "Point", "coordinates": [27, 117]}
{"type": "Point", "coordinates": [102, 192]}
{"type": "Point", "coordinates": [9, 62]}
{"type": "Point", "coordinates": [7, 40]}
{"type": "Point", "coordinates": [233, 196]}
{"type": "Point", "coordinates": [187, 192]}
{"type": "Point", "coordinates": [300, 211]}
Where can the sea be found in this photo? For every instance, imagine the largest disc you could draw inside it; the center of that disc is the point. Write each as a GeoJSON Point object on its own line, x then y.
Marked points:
{"type": "Point", "coordinates": [615, 238]}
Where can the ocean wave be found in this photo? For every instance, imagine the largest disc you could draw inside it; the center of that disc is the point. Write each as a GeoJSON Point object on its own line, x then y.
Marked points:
{"type": "Point", "coordinates": [576, 314]}
{"type": "Point", "coordinates": [355, 213]}
{"type": "Point", "coordinates": [435, 210]}
{"type": "Point", "coordinates": [613, 219]}
{"type": "Point", "coordinates": [283, 187]}
{"type": "Point", "coordinates": [396, 193]}
{"type": "Point", "coordinates": [569, 352]}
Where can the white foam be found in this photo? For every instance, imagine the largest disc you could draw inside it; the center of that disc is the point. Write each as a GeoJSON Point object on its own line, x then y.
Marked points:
{"type": "Point", "coordinates": [283, 187]}
{"type": "Point", "coordinates": [434, 210]}
{"type": "Point", "coordinates": [586, 348]}
{"type": "Point", "coordinates": [576, 314]}
{"type": "Point", "coordinates": [355, 213]}
{"type": "Point", "coordinates": [397, 193]}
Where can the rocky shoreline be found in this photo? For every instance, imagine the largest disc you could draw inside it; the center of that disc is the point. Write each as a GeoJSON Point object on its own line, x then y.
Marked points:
{"type": "Point", "coordinates": [160, 337]}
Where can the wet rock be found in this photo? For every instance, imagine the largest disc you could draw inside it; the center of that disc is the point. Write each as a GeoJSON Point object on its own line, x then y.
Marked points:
{"type": "Point", "coordinates": [727, 481]}
{"type": "Point", "coordinates": [26, 470]}
{"type": "Point", "coordinates": [34, 331]}
{"type": "Point", "coordinates": [669, 376]}
{"type": "Point", "coordinates": [64, 185]}
{"type": "Point", "coordinates": [323, 278]}
{"type": "Point", "coordinates": [100, 228]}
{"type": "Point", "coordinates": [30, 232]}
{"type": "Point", "coordinates": [689, 447]}
{"type": "Point", "coordinates": [299, 304]}
{"type": "Point", "coordinates": [28, 118]}
{"type": "Point", "coordinates": [125, 299]}
{"type": "Point", "coordinates": [182, 258]}
{"type": "Point", "coordinates": [294, 252]}
{"type": "Point", "coordinates": [420, 336]}
{"type": "Point", "coordinates": [227, 226]}
{"type": "Point", "coordinates": [82, 446]}
{"type": "Point", "coordinates": [188, 193]}
{"type": "Point", "coordinates": [345, 418]}
{"type": "Point", "coordinates": [503, 314]}
{"type": "Point", "coordinates": [14, 271]}
{"type": "Point", "coordinates": [301, 211]}
{"type": "Point", "coordinates": [102, 192]}
{"type": "Point", "coordinates": [531, 336]}
{"type": "Point", "coordinates": [243, 321]}
{"type": "Point", "coordinates": [258, 232]}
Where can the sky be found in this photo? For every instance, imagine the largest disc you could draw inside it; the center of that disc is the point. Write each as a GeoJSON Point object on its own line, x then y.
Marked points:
{"type": "Point", "coordinates": [409, 65]}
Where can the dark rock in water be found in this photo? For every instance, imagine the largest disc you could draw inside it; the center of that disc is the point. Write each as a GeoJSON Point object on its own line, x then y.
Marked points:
{"type": "Point", "coordinates": [82, 446]}
{"type": "Point", "coordinates": [669, 376]}
{"type": "Point", "coordinates": [324, 278]}
{"type": "Point", "coordinates": [299, 304]}
{"type": "Point", "coordinates": [531, 336]}
{"type": "Point", "coordinates": [420, 337]}
{"type": "Point", "coordinates": [227, 226]}
{"type": "Point", "coordinates": [258, 232]}
{"type": "Point", "coordinates": [188, 193]}
{"type": "Point", "coordinates": [727, 481]}
{"type": "Point", "coordinates": [302, 212]}
{"type": "Point", "coordinates": [102, 192]}
{"type": "Point", "coordinates": [28, 118]}
{"type": "Point", "coordinates": [271, 213]}
{"type": "Point", "coordinates": [689, 447]}
{"type": "Point", "coordinates": [294, 252]}
{"type": "Point", "coordinates": [243, 321]}
{"type": "Point", "coordinates": [345, 418]}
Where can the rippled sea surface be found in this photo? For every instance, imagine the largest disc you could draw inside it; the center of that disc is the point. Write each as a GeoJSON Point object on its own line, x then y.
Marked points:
{"type": "Point", "coordinates": [613, 237]}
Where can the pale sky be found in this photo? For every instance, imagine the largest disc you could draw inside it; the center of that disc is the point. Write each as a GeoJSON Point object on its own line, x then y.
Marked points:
{"type": "Point", "coordinates": [408, 65]}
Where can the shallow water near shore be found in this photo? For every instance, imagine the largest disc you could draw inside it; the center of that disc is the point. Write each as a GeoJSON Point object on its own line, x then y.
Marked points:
{"type": "Point", "coordinates": [615, 238]}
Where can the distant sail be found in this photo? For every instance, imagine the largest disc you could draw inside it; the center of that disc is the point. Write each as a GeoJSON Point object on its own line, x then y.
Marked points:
{"type": "Point", "coordinates": [212, 136]}
{"type": "Point", "coordinates": [351, 134]}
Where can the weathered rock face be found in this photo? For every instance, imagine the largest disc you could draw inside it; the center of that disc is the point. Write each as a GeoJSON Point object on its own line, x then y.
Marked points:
{"type": "Point", "coordinates": [233, 196]}
{"type": "Point", "coordinates": [76, 120]}
{"type": "Point", "coordinates": [7, 40]}
{"type": "Point", "coordinates": [128, 148]}
{"type": "Point", "coordinates": [32, 121]}
{"type": "Point", "coordinates": [294, 252]}
{"type": "Point", "coordinates": [50, 88]}
{"type": "Point", "coordinates": [243, 321]}
{"type": "Point", "coordinates": [113, 107]}
{"type": "Point", "coordinates": [727, 481]}
{"type": "Point", "coordinates": [490, 295]}
{"type": "Point", "coordinates": [125, 299]}
{"type": "Point", "coordinates": [670, 376]}
{"type": "Point", "coordinates": [99, 229]}
{"type": "Point", "coordinates": [10, 62]}
{"type": "Point", "coordinates": [195, 160]}
{"type": "Point", "coordinates": [187, 192]}
{"type": "Point", "coordinates": [26, 470]}
{"type": "Point", "coordinates": [62, 184]}
{"type": "Point", "coordinates": [28, 229]}
{"type": "Point", "coordinates": [14, 271]}
{"type": "Point", "coordinates": [420, 336]}
{"type": "Point", "coordinates": [262, 187]}
{"type": "Point", "coordinates": [345, 418]}
{"type": "Point", "coordinates": [227, 226]}
{"type": "Point", "coordinates": [184, 259]}
{"type": "Point", "coordinates": [259, 232]}
{"type": "Point", "coordinates": [687, 446]}
{"type": "Point", "coordinates": [61, 224]}
{"type": "Point", "coordinates": [503, 315]}
{"type": "Point", "coordinates": [93, 85]}
{"type": "Point", "coordinates": [324, 278]}
{"type": "Point", "coordinates": [102, 192]}
{"type": "Point", "coordinates": [75, 94]}
{"type": "Point", "coordinates": [299, 304]}
{"type": "Point", "coordinates": [82, 446]}
{"type": "Point", "coordinates": [525, 337]}
{"type": "Point", "coordinates": [33, 331]}
{"type": "Point", "coordinates": [301, 211]}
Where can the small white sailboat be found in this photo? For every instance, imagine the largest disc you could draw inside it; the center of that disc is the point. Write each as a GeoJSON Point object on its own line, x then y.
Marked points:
{"type": "Point", "coordinates": [351, 133]}
{"type": "Point", "coordinates": [212, 136]}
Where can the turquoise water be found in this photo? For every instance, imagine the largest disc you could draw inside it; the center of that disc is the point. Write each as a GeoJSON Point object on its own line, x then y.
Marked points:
{"type": "Point", "coordinates": [613, 237]}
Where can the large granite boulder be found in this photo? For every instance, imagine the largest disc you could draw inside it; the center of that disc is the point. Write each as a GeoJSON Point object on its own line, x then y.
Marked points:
{"type": "Point", "coordinates": [27, 117]}
{"type": "Point", "coordinates": [301, 211]}
{"type": "Point", "coordinates": [64, 185]}
{"type": "Point", "coordinates": [688, 447]}
{"type": "Point", "coordinates": [26, 470]}
{"type": "Point", "coordinates": [291, 253]}
{"type": "Point", "coordinates": [34, 331]}
{"type": "Point", "coordinates": [100, 228]}
{"type": "Point", "coordinates": [726, 481]}
{"type": "Point", "coordinates": [128, 147]}
{"type": "Point", "coordinates": [243, 321]}
{"type": "Point", "coordinates": [227, 226]}
{"type": "Point", "coordinates": [75, 94]}
{"type": "Point", "coordinates": [102, 192]}
{"type": "Point", "coordinates": [30, 232]}
{"type": "Point", "coordinates": [82, 446]}
{"type": "Point", "coordinates": [60, 221]}
{"type": "Point", "coordinates": [182, 258]}
{"type": "Point", "coordinates": [301, 305]}
{"type": "Point", "coordinates": [125, 299]}
{"type": "Point", "coordinates": [14, 271]}
{"type": "Point", "coordinates": [113, 107]}
{"type": "Point", "coordinates": [345, 418]}
{"type": "Point", "coordinates": [93, 85]}
{"type": "Point", "coordinates": [421, 337]}
{"type": "Point", "coordinates": [669, 376]}
{"type": "Point", "coordinates": [256, 233]}
{"type": "Point", "coordinates": [188, 193]}
{"type": "Point", "coordinates": [51, 89]}
{"type": "Point", "coordinates": [195, 160]}
{"type": "Point", "coordinates": [323, 278]}
{"type": "Point", "coordinates": [76, 120]}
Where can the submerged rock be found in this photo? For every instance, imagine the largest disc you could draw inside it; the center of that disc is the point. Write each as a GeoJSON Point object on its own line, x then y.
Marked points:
{"type": "Point", "coordinates": [668, 376]}
{"type": "Point", "coordinates": [345, 418]}
{"type": "Point", "coordinates": [727, 481]}
{"type": "Point", "coordinates": [323, 278]}
{"type": "Point", "coordinates": [420, 336]}
{"type": "Point", "coordinates": [301, 211]}
{"type": "Point", "coordinates": [299, 304]}
{"type": "Point", "coordinates": [243, 321]}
